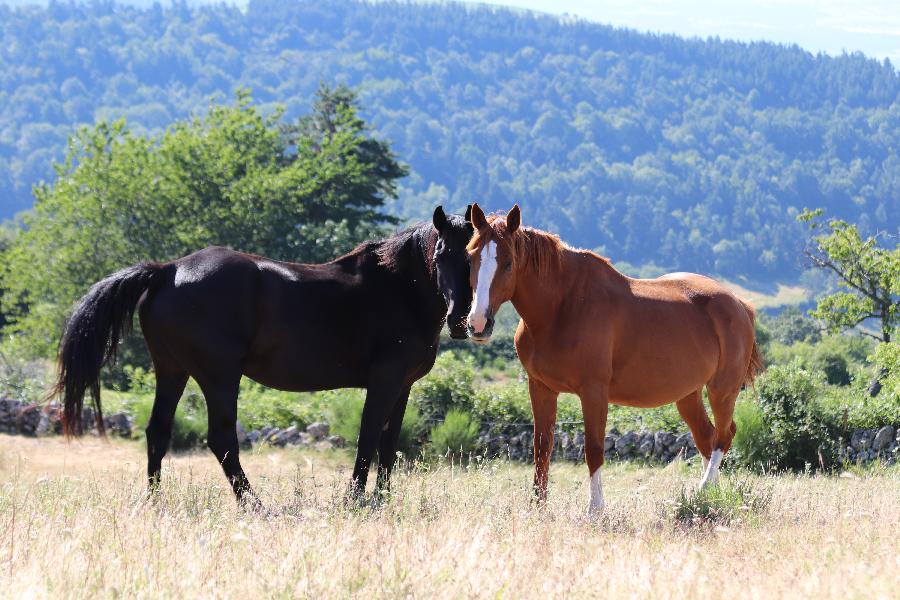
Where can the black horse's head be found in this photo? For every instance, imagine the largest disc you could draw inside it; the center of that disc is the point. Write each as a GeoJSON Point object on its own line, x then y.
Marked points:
{"type": "Point", "coordinates": [451, 265]}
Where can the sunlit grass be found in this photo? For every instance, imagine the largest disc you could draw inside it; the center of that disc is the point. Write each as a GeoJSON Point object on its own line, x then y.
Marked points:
{"type": "Point", "coordinates": [75, 522]}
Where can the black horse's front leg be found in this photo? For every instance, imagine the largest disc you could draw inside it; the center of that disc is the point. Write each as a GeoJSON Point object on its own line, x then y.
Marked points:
{"type": "Point", "coordinates": [388, 445]}
{"type": "Point", "coordinates": [380, 403]}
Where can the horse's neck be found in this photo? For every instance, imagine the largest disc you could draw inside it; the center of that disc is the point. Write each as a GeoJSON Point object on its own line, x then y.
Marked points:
{"type": "Point", "coordinates": [421, 276]}
{"type": "Point", "coordinates": [538, 297]}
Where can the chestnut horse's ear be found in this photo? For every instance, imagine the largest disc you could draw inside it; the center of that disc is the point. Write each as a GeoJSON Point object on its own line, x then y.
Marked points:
{"type": "Point", "coordinates": [439, 219]}
{"type": "Point", "coordinates": [513, 219]}
{"type": "Point", "coordinates": [469, 213]}
{"type": "Point", "coordinates": [478, 220]}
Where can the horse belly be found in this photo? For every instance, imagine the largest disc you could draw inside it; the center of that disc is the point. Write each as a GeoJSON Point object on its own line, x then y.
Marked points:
{"type": "Point", "coordinates": [304, 342]}
{"type": "Point", "coordinates": [304, 370]}
{"type": "Point", "coordinates": [654, 373]}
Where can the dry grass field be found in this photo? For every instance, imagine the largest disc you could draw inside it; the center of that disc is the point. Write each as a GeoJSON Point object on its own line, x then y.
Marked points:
{"type": "Point", "coordinates": [75, 523]}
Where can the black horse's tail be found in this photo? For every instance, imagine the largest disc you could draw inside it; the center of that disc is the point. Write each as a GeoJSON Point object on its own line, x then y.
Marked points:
{"type": "Point", "coordinates": [100, 320]}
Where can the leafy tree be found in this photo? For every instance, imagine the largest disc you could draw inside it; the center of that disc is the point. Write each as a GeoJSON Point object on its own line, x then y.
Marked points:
{"type": "Point", "coordinates": [688, 154]}
{"type": "Point", "coordinates": [8, 232]}
{"type": "Point", "coordinates": [791, 325]}
{"type": "Point", "coordinates": [868, 274]}
{"type": "Point", "coordinates": [231, 177]}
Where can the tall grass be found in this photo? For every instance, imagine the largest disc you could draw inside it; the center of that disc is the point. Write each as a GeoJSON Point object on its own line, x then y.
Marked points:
{"type": "Point", "coordinates": [74, 523]}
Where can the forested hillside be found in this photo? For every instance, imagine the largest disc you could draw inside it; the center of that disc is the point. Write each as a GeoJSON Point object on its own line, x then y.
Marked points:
{"type": "Point", "coordinates": [688, 154]}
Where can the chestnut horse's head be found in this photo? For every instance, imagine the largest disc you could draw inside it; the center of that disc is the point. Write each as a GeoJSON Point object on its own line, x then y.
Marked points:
{"type": "Point", "coordinates": [492, 259]}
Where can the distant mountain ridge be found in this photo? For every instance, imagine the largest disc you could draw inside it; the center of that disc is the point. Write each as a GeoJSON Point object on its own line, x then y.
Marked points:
{"type": "Point", "coordinates": [689, 154]}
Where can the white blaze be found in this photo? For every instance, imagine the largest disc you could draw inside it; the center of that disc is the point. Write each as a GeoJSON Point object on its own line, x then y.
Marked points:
{"type": "Point", "coordinates": [486, 271]}
{"type": "Point", "coordinates": [711, 477]}
{"type": "Point", "coordinates": [596, 505]}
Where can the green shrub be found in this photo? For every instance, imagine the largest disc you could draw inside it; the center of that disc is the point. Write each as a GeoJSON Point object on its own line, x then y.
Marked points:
{"type": "Point", "coordinates": [507, 402]}
{"type": "Point", "coordinates": [450, 384]}
{"type": "Point", "coordinates": [800, 435]}
{"type": "Point", "coordinates": [21, 378]}
{"type": "Point", "coordinates": [835, 368]}
{"type": "Point", "coordinates": [189, 429]}
{"type": "Point", "coordinates": [259, 406]}
{"type": "Point", "coordinates": [791, 325]}
{"type": "Point", "coordinates": [345, 413]}
{"type": "Point", "coordinates": [887, 358]}
{"type": "Point", "coordinates": [725, 504]}
{"type": "Point", "coordinates": [456, 436]}
{"type": "Point", "coordinates": [750, 445]}
{"type": "Point", "coordinates": [413, 431]}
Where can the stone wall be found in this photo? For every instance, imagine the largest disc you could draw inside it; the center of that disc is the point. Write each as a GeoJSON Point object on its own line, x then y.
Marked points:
{"type": "Point", "coordinates": [870, 444]}
{"type": "Point", "coordinates": [661, 446]}
{"type": "Point", "coordinates": [315, 435]}
{"type": "Point", "coordinates": [514, 441]}
{"type": "Point", "coordinates": [44, 419]}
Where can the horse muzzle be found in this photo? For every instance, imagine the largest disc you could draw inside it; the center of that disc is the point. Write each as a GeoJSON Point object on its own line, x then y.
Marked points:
{"type": "Point", "coordinates": [486, 329]}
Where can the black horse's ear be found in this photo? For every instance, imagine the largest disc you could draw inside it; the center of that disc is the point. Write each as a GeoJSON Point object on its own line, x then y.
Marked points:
{"type": "Point", "coordinates": [513, 219]}
{"type": "Point", "coordinates": [469, 214]}
{"type": "Point", "coordinates": [439, 219]}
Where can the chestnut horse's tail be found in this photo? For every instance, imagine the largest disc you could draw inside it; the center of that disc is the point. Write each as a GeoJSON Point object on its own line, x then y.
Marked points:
{"type": "Point", "coordinates": [756, 365]}
{"type": "Point", "coordinates": [100, 320]}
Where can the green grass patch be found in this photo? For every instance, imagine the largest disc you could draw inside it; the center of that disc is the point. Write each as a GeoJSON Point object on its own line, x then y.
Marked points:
{"type": "Point", "coordinates": [730, 503]}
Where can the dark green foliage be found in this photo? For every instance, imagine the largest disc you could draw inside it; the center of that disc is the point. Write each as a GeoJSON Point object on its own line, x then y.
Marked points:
{"type": "Point", "coordinates": [260, 406]}
{"type": "Point", "coordinates": [731, 502]}
{"type": "Point", "coordinates": [345, 414]}
{"type": "Point", "coordinates": [449, 385]}
{"type": "Point", "coordinates": [692, 154]}
{"type": "Point", "coordinates": [801, 433]}
{"type": "Point", "coordinates": [790, 325]}
{"type": "Point", "coordinates": [868, 276]}
{"type": "Point", "coordinates": [235, 177]}
{"type": "Point", "coordinates": [190, 426]}
{"type": "Point", "coordinates": [835, 369]}
{"type": "Point", "coordinates": [413, 433]}
{"type": "Point", "coordinates": [455, 436]}
{"type": "Point", "coordinates": [750, 447]}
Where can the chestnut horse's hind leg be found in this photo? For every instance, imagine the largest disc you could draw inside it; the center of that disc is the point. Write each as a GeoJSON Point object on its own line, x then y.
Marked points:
{"type": "Point", "coordinates": [595, 407]}
{"type": "Point", "coordinates": [722, 405]}
{"type": "Point", "coordinates": [169, 387]}
{"type": "Point", "coordinates": [694, 414]}
{"type": "Point", "coordinates": [543, 407]}
{"type": "Point", "coordinates": [221, 406]}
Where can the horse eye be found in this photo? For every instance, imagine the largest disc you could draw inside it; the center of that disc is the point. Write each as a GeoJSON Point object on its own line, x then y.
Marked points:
{"type": "Point", "coordinates": [508, 266]}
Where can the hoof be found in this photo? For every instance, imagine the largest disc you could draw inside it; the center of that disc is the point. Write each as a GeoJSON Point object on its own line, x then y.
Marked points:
{"type": "Point", "coordinates": [595, 511]}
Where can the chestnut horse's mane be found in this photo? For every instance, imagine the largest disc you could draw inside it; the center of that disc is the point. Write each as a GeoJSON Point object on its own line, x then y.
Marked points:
{"type": "Point", "coordinates": [541, 250]}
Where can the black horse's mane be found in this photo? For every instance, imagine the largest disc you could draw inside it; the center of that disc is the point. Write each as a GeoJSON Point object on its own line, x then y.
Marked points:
{"type": "Point", "coordinates": [416, 241]}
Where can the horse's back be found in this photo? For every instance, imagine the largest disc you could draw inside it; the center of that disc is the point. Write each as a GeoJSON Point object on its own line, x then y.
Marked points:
{"type": "Point", "coordinates": [730, 317]}
{"type": "Point", "coordinates": [700, 291]}
{"type": "Point", "coordinates": [201, 301]}
{"type": "Point", "coordinates": [674, 334]}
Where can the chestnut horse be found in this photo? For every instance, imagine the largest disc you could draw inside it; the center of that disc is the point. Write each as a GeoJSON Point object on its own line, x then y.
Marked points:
{"type": "Point", "coordinates": [589, 330]}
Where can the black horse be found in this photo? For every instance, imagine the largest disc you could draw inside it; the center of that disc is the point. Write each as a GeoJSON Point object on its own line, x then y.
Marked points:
{"type": "Point", "coordinates": [369, 319]}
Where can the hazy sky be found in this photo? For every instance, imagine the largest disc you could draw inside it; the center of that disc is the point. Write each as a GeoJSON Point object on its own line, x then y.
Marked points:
{"type": "Point", "coordinates": [832, 26]}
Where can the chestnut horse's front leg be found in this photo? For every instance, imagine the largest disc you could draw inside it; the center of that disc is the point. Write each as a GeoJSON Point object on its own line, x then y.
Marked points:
{"type": "Point", "coordinates": [595, 407]}
{"type": "Point", "coordinates": [543, 407]}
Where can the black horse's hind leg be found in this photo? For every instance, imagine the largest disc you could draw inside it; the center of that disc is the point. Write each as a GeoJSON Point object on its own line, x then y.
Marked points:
{"type": "Point", "coordinates": [221, 406]}
{"type": "Point", "coordinates": [380, 402]}
{"type": "Point", "coordinates": [169, 387]}
{"type": "Point", "coordinates": [387, 445]}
